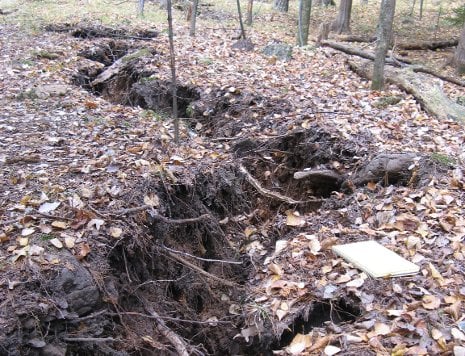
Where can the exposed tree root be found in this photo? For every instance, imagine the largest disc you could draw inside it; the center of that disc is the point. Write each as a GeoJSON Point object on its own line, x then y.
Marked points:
{"type": "Point", "coordinates": [202, 272]}
{"type": "Point", "coordinates": [273, 195]}
{"type": "Point", "coordinates": [178, 343]}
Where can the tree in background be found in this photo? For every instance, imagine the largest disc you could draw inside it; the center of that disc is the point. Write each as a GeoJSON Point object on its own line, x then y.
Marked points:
{"type": "Point", "coordinates": [249, 19]}
{"type": "Point", "coordinates": [194, 7]}
{"type": "Point", "coordinates": [238, 2]}
{"type": "Point", "coordinates": [305, 9]}
{"type": "Point", "coordinates": [140, 8]}
{"type": "Point", "coordinates": [459, 55]}
{"type": "Point", "coordinates": [173, 72]}
{"type": "Point", "coordinates": [281, 5]}
{"type": "Point", "coordinates": [342, 22]}
{"type": "Point", "coordinates": [324, 3]}
{"type": "Point", "coordinates": [386, 18]}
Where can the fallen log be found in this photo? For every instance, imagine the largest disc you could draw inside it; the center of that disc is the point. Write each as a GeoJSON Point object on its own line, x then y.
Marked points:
{"type": "Point", "coordinates": [363, 54]}
{"type": "Point", "coordinates": [419, 46]}
{"type": "Point", "coordinates": [349, 50]}
{"type": "Point", "coordinates": [421, 69]}
{"type": "Point", "coordinates": [356, 38]}
{"type": "Point", "coordinates": [119, 65]}
{"type": "Point", "coordinates": [395, 61]}
{"type": "Point", "coordinates": [428, 93]}
{"type": "Point", "coordinates": [386, 168]}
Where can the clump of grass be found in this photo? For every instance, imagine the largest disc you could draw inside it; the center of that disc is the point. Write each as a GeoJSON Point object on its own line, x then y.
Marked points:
{"type": "Point", "coordinates": [155, 115]}
{"type": "Point", "coordinates": [46, 237]}
{"type": "Point", "coordinates": [386, 101]}
{"type": "Point", "coordinates": [443, 159]}
{"type": "Point", "coordinates": [458, 16]}
{"type": "Point", "coordinates": [46, 54]}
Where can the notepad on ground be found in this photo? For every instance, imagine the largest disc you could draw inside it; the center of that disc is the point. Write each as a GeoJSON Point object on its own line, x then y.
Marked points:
{"type": "Point", "coordinates": [375, 259]}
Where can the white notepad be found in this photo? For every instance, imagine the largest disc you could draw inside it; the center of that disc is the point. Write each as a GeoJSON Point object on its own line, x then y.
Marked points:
{"type": "Point", "coordinates": [375, 259]}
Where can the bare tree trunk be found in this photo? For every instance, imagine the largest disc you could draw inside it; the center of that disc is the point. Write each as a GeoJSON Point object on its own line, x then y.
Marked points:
{"type": "Point", "coordinates": [386, 18]}
{"type": "Point", "coordinates": [305, 10]}
{"type": "Point", "coordinates": [421, 9]}
{"type": "Point", "coordinates": [323, 3]}
{"type": "Point", "coordinates": [459, 56]}
{"type": "Point", "coordinates": [323, 32]}
{"type": "Point", "coordinates": [413, 7]}
{"type": "Point", "coordinates": [140, 8]}
{"type": "Point", "coordinates": [342, 23]}
{"type": "Point", "coordinates": [195, 5]}
{"type": "Point", "coordinates": [249, 13]}
{"type": "Point", "coordinates": [438, 18]}
{"type": "Point", "coordinates": [173, 73]}
{"type": "Point", "coordinates": [240, 19]}
{"type": "Point", "coordinates": [281, 5]}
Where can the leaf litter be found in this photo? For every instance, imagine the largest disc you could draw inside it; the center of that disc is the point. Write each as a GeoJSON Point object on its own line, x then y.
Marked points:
{"type": "Point", "coordinates": [89, 159]}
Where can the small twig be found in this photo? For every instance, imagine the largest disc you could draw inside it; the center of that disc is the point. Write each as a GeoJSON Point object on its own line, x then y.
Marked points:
{"type": "Point", "coordinates": [171, 319]}
{"type": "Point", "coordinates": [178, 343]}
{"type": "Point", "coordinates": [90, 339]}
{"type": "Point", "coordinates": [203, 272]}
{"type": "Point", "coordinates": [225, 139]}
{"type": "Point", "coordinates": [48, 216]}
{"type": "Point", "coordinates": [8, 222]}
{"type": "Point", "coordinates": [200, 258]}
{"type": "Point", "coordinates": [181, 221]}
{"type": "Point", "coordinates": [158, 281]}
{"type": "Point", "coordinates": [23, 159]}
{"type": "Point", "coordinates": [126, 266]}
{"type": "Point", "coordinates": [156, 216]}
{"type": "Point", "coordinates": [96, 212]}
{"type": "Point", "coordinates": [271, 194]}
{"type": "Point", "coordinates": [87, 317]}
{"type": "Point", "coordinates": [130, 210]}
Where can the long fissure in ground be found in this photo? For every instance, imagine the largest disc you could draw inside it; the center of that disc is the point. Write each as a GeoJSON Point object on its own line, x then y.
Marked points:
{"type": "Point", "coordinates": [186, 264]}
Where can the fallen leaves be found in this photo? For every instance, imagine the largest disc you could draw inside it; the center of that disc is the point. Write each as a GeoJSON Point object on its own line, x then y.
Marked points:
{"type": "Point", "coordinates": [46, 208]}
{"type": "Point", "coordinates": [294, 218]}
{"type": "Point", "coordinates": [431, 302]}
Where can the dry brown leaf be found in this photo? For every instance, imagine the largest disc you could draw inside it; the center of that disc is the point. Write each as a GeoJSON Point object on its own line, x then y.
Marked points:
{"type": "Point", "coordinates": [115, 232]}
{"type": "Point", "coordinates": [27, 231]}
{"type": "Point", "coordinates": [152, 200]}
{"type": "Point", "coordinates": [23, 241]}
{"type": "Point", "coordinates": [431, 302]}
{"type": "Point", "coordinates": [320, 343]}
{"type": "Point", "coordinates": [83, 251]}
{"type": "Point", "coordinates": [57, 243]}
{"type": "Point", "coordinates": [299, 343]}
{"type": "Point", "coordinates": [454, 310]}
{"type": "Point", "coordinates": [60, 224]}
{"type": "Point", "coordinates": [276, 269]}
{"type": "Point", "coordinates": [294, 218]}
{"type": "Point", "coordinates": [331, 350]}
{"type": "Point", "coordinates": [381, 329]}
{"type": "Point", "coordinates": [416, 350]}
{"type": "Point", "coordinates": [69, 241]}
{"type": "Point", "coordinates": [249, 231]}
{"type": "Point", "coordinates": [448, 223]}
{"type": "Point", "coordinates": [281, 313]}
{"type": "Point", "coordinates": [371, 186]}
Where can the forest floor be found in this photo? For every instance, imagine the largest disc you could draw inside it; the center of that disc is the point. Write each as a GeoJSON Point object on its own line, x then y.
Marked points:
{"type": "Point", "coordinates": [114, 240]}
